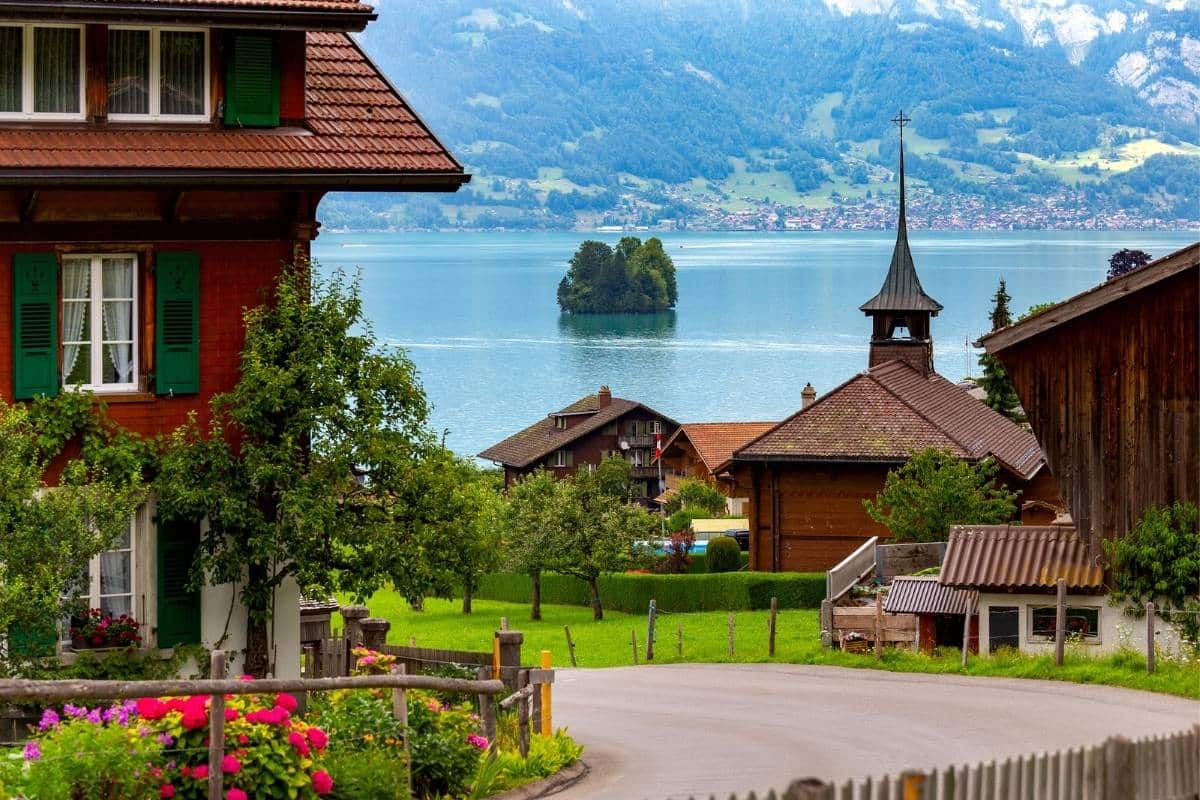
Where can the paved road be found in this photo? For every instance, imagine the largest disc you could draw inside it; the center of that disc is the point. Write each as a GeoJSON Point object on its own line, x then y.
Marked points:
{"type": "Point", "coordinates": [657, 732]}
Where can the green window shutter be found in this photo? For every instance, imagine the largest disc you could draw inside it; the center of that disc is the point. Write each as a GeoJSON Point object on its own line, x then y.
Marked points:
{"type": "Point", "coordinates": [35, 325]}
{"type": "Point", "coordinates": [178, 605]}
{"type": "Point", "coordinates": [252, 81]}
{"type": "Point", "coordinates": [177, 323]}
{"type": "Point", "coordinates": [36, 641]}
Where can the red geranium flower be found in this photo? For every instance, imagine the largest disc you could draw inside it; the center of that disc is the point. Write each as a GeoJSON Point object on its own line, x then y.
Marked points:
{"type": "Point", "coordinates": [321, 782]}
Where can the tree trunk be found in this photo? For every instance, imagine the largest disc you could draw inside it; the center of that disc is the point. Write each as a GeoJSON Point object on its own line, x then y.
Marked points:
{"type": "Point", "coordinates": [597, 609]}
{"type": "Point", "coordinates": [466, 600]}
{"type": "Point", "coordinates": [535, 597]}
{"type": "Point", "coordinates": [258, 661]}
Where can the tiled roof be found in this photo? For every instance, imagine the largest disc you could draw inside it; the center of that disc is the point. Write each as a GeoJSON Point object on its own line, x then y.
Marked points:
{"type": "Point", "coordinates": [913, 595]}
{"type": "Point", "coordinates": [358, 128]}
{"type": "Point", "coordinates": [542, 437]}
{"type": "Point", "coordinates": [716, 441]}
{"type": "Point", "coordinates": [1018, 557]}
{"type": "Point", "coordinates": [322, 5]}
{"type": "Point", "coordinates": [890, 412]}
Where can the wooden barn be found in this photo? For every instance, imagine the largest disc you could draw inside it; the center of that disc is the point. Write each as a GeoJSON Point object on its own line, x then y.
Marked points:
{"type": "Point", "coordinates": [1110, 381]}
{"type": "Point", "coordinates": [807, 477]}
{"type": "Point", "coordinates": [159, 161]}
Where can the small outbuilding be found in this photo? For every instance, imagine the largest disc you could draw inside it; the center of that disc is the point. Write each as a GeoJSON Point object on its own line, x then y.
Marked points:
{"type": "Point", "coordinates": [939, 609]}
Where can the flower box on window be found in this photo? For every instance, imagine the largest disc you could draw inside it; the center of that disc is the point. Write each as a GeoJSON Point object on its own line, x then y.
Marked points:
{"type": "Point", "coordinates": [98, 630]}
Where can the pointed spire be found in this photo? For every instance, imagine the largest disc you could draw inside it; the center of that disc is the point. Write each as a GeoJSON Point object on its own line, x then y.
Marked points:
{"type": "Point", "coordinates": [901, 290]}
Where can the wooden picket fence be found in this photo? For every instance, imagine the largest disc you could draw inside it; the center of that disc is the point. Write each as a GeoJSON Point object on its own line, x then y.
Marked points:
{"type": "Point", "coordinates": [1150, 768]}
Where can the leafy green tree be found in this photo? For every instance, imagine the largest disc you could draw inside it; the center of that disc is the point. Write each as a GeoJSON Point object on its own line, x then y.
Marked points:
{"type": "Point", "coordinates": [1001, 395]}
{"type": "Point", "coordinates": [535, 520]}
{"type": "Point", "coordinates": [49, 533]}
{"type": "Point", "coordinates": [318, 465]}
{"type": "Point", "coordinates": [603, 528]}
{"type": "Point", "coordinates": [1034, 310]}
{"type": "Point", "coordinates": [934, 490]}
{"type": "Point", "coordinates": [698, 496]}
{"type": "Point", "coordinates": [1126, 260]}
{"type": "Point", "coordinates": [1159, 562]}
{"type": "Point", "coordinates": [635, 277]}
{"type": "Point", "coordinates": [471, 538]}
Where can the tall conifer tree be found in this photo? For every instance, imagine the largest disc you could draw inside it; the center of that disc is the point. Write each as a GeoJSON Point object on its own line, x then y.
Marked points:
{"type": "Point", "coordinates": [995, 381]}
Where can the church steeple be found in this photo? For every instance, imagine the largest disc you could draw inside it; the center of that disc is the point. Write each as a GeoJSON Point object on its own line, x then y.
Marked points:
{"type": "Point", "coordinates": [901, 310]}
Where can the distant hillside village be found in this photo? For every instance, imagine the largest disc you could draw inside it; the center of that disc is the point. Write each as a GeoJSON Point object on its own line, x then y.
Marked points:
{"type": "Point", "coordinates": [1101, 446]}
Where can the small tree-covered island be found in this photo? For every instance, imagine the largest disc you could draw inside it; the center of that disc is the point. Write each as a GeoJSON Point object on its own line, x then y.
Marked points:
{"type": "Point", "coordinates": [635, 277]}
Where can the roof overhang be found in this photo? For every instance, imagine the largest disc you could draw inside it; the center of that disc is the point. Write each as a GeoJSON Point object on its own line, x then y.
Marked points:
{"type": "Point", "coordinates": [354, 18]}
{"type": "Point", "coordinates": [366, 181]}
{"type": "Point", "coordinates": [1092, 299]}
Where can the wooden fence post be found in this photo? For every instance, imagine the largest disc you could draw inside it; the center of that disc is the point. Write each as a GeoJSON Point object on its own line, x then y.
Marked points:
{"type": "Point", "coordinates": [400, 712]}
{"type": "Point", "coordinates": [650, 630]}
{"type": "Point", "coordinates": [731, 636]}
{"type": "Point", "coordinates": [633, 642]}
{"type": "Point", "coordinates": [216, 730]}
{"type": "Point", "coordinates": [966, 637]}
{"type": "Point", "coordinates": [771, 627]}
{"type": "Point", "coordinates": [1150, 638]}
{"type": "Point", "coordinates": [878, 624]}
{"type": "Point", "coordinates": [1060, 622]}
{"type": "Point", "coordinates": [496, 656]}
{"type": "Point", "coordinates": [912, 785]}
{"type": "Point", "coordinates": [1119, 780]}
{"type": "Point", "coordinates": [827, 636]}
{"type": "Point", "coordinates": [570, 645]}
{"type": "Point", "coordinates": [523, 706]}
{"type": "Point", "coordinates": [679, 638]}
{"type": "Point", "coordinates": [487, 710]}
{"type": "Point", "coordinates": [547, 715]}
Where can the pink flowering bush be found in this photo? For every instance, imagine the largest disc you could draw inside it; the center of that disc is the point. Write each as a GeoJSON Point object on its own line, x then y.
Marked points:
{"type": "Point", "coordinates": [269, 753]}
{"type": "Point", "coordinates": [371, 662]}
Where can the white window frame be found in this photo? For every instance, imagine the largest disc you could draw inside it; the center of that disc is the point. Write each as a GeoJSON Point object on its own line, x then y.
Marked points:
{"type": "Point", "coordinates": [95, 322]}
{"type": "Point", "coordinates": [93, 596]}
{"type": "Point", "coordinates": [156, 114]}
{"type": "Point", "coordinates": [560, 458]}
{"type": "Point", "coordinates": [27, 69]}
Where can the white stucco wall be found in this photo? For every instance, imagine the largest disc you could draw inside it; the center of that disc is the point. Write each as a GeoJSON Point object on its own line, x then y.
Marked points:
{"type": "Point", "coordinates": [1117, 629]}
{"type": "Point", "coordinates": [219, 627]}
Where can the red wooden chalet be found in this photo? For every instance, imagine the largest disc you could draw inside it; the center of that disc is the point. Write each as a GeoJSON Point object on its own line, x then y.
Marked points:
{"type": "Point", "coordinates": [159, 161]}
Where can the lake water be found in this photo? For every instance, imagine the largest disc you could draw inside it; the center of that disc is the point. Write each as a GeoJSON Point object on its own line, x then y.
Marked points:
{"type": "Point", "coordinates": [759, 314]}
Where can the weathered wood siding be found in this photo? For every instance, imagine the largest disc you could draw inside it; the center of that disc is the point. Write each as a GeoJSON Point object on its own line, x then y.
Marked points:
{"type": "Point", "coordinates": [819, 510]}
{"type": "Point", "coordinates": [1112, 396]}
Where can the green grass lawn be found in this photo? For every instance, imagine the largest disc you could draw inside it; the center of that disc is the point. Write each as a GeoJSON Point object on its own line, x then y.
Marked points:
{"type": "Point", "coordinates": [705, 639]}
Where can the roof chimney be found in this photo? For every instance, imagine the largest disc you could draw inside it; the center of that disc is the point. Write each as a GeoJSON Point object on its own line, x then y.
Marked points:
{"type": "Point", "coordinates": [604, 397]}
{"type": "Point", "coordinates": [808, 396]}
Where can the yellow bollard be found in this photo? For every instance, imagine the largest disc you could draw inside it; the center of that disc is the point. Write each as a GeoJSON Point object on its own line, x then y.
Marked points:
{"type": "Point", "coordinates": [495, 658]}
{"type": "Point", "coordinates": [547, 728]}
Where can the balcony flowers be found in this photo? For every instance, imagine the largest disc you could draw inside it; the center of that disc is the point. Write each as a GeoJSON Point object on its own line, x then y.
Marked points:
{"type": "Point", "coordinates": [100, 630]}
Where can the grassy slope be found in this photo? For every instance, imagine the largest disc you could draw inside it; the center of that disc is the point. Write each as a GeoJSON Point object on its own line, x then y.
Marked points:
{"type": "Point", "coordinates": [705, 639]}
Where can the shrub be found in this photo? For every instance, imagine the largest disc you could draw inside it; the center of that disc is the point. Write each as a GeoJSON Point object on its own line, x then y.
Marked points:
{"type": "Point", "coordinates": [445, 748]}
{"type": "Point", "coordinates": [677, 559]}
{"type": "Point", "coordinates": [369, 774]}
{"type": "Point", "coordinates": [547, 755]}
{"type": "Point", "coordinates": [631, 593]}
{"type": "Point", "coordinates": [723, 554]}
{"type": "Point", "coordinates": [84, 756]}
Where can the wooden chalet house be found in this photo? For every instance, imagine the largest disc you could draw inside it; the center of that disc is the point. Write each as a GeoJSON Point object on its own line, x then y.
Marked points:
{"type": "Point", "coordinates": [697, 450]}
{"type": "Point", "coordinates": [159, 161]}
{"type": "Point", "coordinates": [582, 434]}
{"type": "Point", "coordinates": [807, 476]}
{"type": "Point", "coordinates": [1110, 381]}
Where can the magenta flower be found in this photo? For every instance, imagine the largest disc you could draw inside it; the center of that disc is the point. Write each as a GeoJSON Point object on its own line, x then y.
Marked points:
{"type": "Point", "coordinates": [230, 765]}
{"type": "Point", "coordinates": [475, 740]}
{"type": "Point", "coordinates": [235, 794]}
{"type": "Point", "coordinates": [50, 719]}
{"type": "Point", "coordinates": [32, 751]}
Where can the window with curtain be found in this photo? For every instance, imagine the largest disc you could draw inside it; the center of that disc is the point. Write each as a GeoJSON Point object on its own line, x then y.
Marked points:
{"type": "Point", "coordinates": [99, 322]}
{"type": "Point", "coordinates": [41, 71]}
{"type": "Point", "coordinates": [107, 583]}
{"type": "Point", "coordinates": [157, 73]}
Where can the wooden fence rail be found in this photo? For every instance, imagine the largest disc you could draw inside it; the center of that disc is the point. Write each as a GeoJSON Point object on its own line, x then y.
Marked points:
{"type": "Point", "coordinates": [1150, 768]}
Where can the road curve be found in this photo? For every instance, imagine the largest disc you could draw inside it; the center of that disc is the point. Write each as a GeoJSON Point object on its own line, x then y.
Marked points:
{"type": "Point", "coordinates": [656, 732]}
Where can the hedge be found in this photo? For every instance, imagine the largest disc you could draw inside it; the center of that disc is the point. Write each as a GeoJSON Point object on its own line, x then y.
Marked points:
{"type": "Point", "coordinates": [699, 565]}
{"type": "Point", "coordinates": [632, 592]}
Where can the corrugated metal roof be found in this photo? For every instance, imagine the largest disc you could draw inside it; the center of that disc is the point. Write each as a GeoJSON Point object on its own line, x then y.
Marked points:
{"type": "Point", "coordinates": [1018, 557]}
{"type": "Point", "coordinates": [912, 595]}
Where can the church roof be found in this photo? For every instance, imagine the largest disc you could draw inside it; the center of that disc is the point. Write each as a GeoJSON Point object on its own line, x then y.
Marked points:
{"type": "Point", "coordinates": [901, 290]}
{"type": "Point", "coordinates": [890, 412]}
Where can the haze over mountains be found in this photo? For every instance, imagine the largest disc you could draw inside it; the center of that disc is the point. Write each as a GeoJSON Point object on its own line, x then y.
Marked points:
{"type": "Point", "coordinates": [699, 112]}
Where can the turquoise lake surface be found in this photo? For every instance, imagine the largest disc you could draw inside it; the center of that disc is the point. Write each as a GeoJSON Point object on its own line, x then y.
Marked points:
{"type": "Point", "coordinates": [759, 314]}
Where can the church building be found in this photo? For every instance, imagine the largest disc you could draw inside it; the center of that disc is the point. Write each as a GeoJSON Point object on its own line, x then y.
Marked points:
{"type": "Point", "coordinates": [807, 477]}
